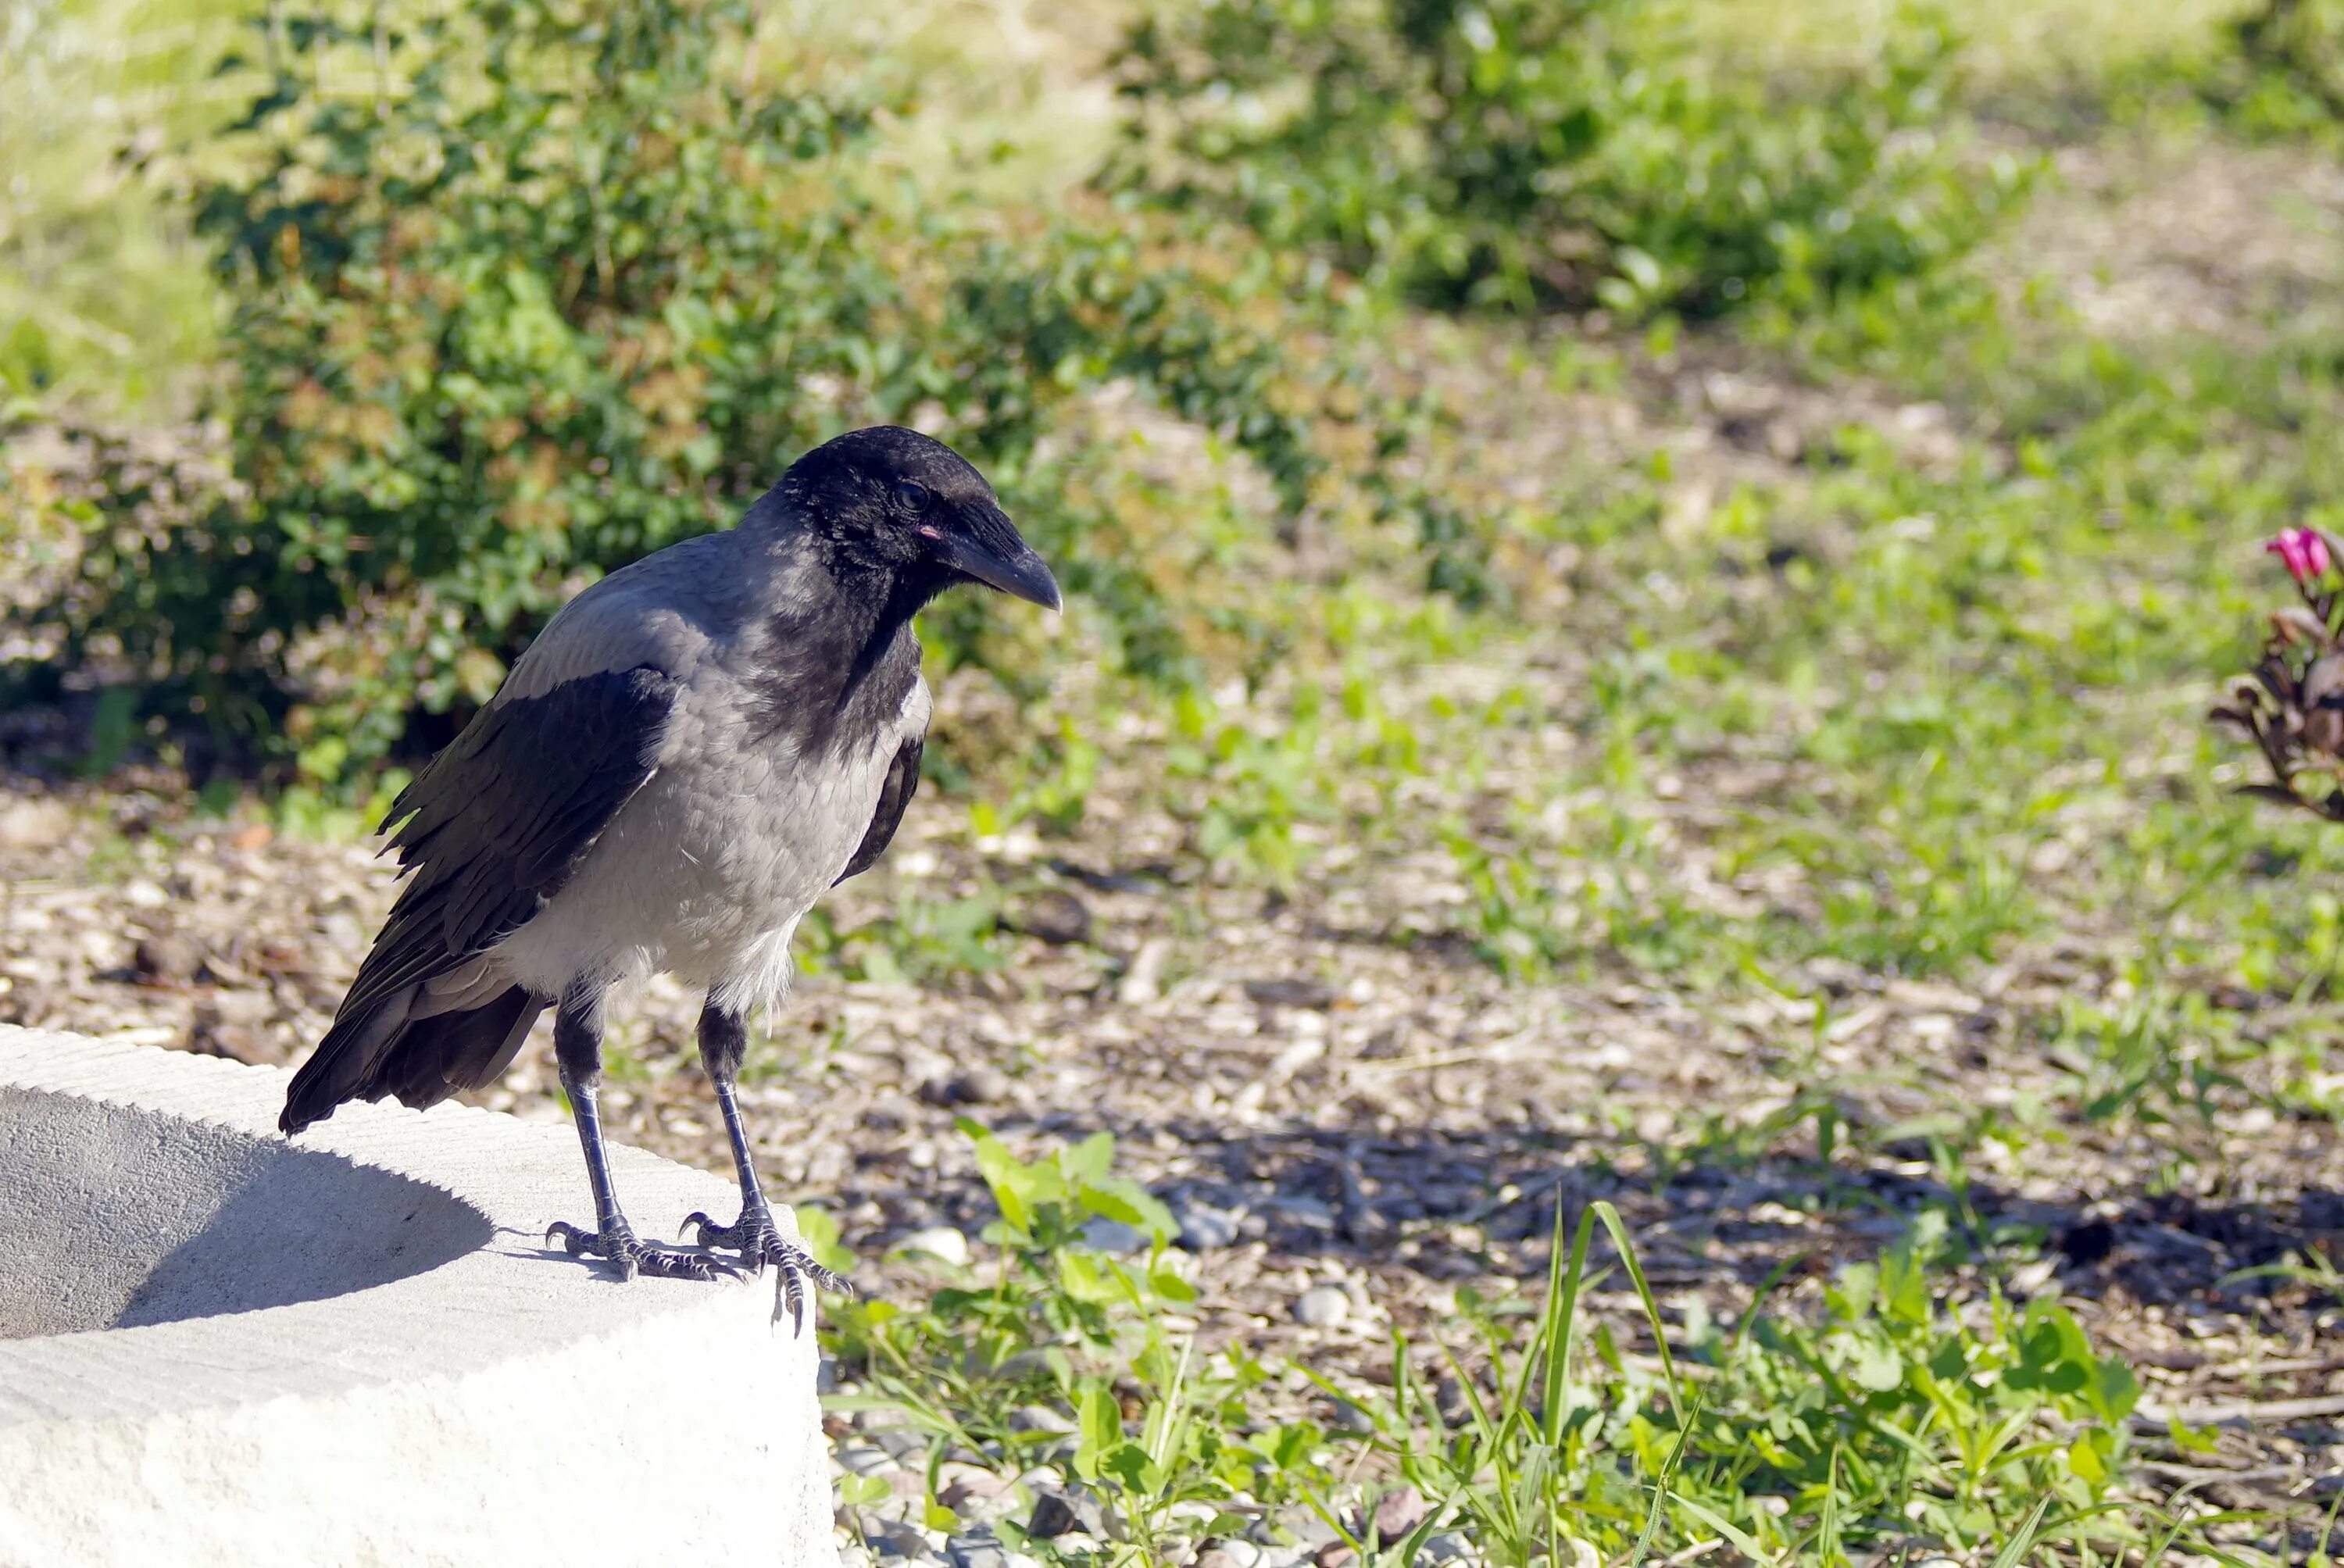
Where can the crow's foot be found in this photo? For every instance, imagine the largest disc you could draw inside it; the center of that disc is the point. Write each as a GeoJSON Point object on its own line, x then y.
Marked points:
{"type": "Point", "coordinates": [617, 1243]}
{"type": "Point", "coordinates": [760, 1242]}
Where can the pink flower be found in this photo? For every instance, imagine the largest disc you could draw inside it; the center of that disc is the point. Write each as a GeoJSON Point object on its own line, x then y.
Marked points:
{"type": "Point", "coordinates": [2304, 550]}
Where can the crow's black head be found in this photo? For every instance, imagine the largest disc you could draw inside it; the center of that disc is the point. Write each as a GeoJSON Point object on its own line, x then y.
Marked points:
{"type": "Point", "coordinates": [894, 501]}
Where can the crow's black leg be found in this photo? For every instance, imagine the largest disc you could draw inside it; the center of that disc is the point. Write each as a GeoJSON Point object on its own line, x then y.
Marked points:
{"type": "Point", "coordinates": [723, 1041]}
{"type": "Point", "coordinates": [577, 1051]}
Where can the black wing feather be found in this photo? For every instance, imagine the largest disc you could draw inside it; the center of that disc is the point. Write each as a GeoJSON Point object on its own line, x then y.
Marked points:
{"type": "Point", "coordinates": [491, 829]}
{"type": "Point", "coordinates": [499, 820]}
{"type": "Point", "coordinates": [894, 794]}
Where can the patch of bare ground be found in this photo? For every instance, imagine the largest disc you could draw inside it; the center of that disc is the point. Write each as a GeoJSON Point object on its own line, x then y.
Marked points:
{"type": "Point", "coordinates": [1320, 1103]}
{"type": "Point", "coordinates": [2143, 241]}
{"type": "Point", "coordinates": [1325, 1090]}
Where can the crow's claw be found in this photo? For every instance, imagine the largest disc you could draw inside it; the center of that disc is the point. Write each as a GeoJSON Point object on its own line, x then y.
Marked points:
{"type": "Point", "coordinates": [617, 1244]}
{"type": "Point", "coordinates": [760, 1242]}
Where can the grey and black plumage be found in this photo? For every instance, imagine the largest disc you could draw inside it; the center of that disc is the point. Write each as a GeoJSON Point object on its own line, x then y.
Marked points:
{"type": "Point", "coordinates": [689, 754]}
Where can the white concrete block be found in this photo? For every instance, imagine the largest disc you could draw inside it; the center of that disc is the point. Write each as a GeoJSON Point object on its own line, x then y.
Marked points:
{"type": "Point", "coordinates": [220, 1347]}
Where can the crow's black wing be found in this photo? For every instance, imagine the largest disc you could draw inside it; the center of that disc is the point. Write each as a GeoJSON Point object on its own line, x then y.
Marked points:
{"type": "Point", "coordinates": [489, 831]}
{"type": "Point", "coordinates": [894, 794]}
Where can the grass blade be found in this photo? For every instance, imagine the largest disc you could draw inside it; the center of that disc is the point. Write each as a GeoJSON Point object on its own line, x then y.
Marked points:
{"type": "Point", "coordinates": [1619, 1230]}
{"type": "Point", "coordinates": [1557, 1324]}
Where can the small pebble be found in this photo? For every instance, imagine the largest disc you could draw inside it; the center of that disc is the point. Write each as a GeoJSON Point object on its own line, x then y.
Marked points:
{"type": "Point", "coordinates": [34, 825]}
{"type": "Point", "coordinates": [978, 1495]}
{"type": "Point", "coordinates": [1057, 916]}
{"type": "Point", "coordinates": [1322, 1307]}
{"type": "Point", "coordinates": [1061, 1512]}
{"type": "Point", "coordinates": [1291, 993]}
{"type": "Point", "coordinates": [166, 955]}
{"type": "Point", "coordinates": [1040, 1418]}
{"type": "Point", "coordinates": [1102, 1235]}
{"type": "Point", "coordinates": [1053, 1516]}
{"type": "Point", "coordinates": [971, 1480]}
{"type": "Point", "coordinates": [894, 1538]}
{"type": "Point", "coordinates": [1203, 1229]}
{"type": "Point", "coordinates": [1300, 1208]}
{"type": "Point", "coordinates": [976, 1551]}
{"type": "Point", "coordinates": [902, 1443]}
{"type": "Point", "coordinates": [1231, 1554]}
{"type": "Point", "coordinates": [1397, 1512]}
{"type": "Point", "coordinates": [863, 1459]}
{"type": "Point", "coordinates": [1143, 982]}
{"type": "Point", "coordinates": [1449, 1546]}
{"type": "Point", "coordinates": [941, 1242]}
{"type": "Point", "coordinates": [980, 1084]}
{"type": "Point", "coordinates": [1304, 1525]}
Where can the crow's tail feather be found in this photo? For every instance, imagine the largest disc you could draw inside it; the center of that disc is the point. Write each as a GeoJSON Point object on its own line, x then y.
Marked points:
{"type": "Point", "coordinates": [386, 1051]}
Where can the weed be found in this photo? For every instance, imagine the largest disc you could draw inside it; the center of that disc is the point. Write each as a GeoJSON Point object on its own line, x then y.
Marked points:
{"type": "Point", "coordinates": [1525, 151]}
{"type": "Point", "coordinates": [1886, 1415]}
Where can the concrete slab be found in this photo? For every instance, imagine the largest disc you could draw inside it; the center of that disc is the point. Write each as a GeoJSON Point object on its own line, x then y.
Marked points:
{"type": "Point", "coordinates": [221, 1347]}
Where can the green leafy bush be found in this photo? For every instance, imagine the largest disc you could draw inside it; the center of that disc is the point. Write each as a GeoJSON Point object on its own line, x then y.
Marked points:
{"type": "Point", "coordinates": [522, 290]}
{"type": "Point", "coordinates": [2284, 71]}
{"type": "Point", "coordinates": [1550, 151]}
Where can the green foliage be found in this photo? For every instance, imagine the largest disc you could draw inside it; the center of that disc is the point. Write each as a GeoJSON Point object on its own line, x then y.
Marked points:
{"type": "Point", "coordinates": [2284, 73]}
{"type": "Point", "coordinates": [1051, 1292]}
{"type": "Point", "coordinates": [1887, 1419]}
{"type": "Point", "coordinates": [922, 941]}
{"type": "Point", "coordinates": [1253, 787]}
{"type": "Point", "coordinates": [1887, 1414]}
{"type": "Point", "coordinates": [566, 284]}
{"type": "Point", "coordinates": [1552, 151]}
{"type": "Point", "coordinates": [103, 301]}
{"type": "Point", "coordinates": [1062, 1321]}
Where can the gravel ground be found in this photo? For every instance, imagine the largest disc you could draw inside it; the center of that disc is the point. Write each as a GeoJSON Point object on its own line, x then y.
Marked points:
{"type": "Point", "coordinates": [1344, 1129]}
{"type": "Point", "coordinates": [1349, 1126]}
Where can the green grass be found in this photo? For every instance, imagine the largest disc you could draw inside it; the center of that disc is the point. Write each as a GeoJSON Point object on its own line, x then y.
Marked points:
{"type": "Point", "coordinates": [1900, 1414]}
{"type": "Point", "coordinates": [1946, 714]}
{"type": "Point", "coordinates": [1636, 709]}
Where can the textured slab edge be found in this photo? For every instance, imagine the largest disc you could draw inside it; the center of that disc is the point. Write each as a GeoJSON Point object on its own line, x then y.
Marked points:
{"type": "Point", "coordinates": [514, 1297]}
{"type": "Point", "coordinates": [665, 1443]}
{"type": "Point", "coordinates": [508, 1407]}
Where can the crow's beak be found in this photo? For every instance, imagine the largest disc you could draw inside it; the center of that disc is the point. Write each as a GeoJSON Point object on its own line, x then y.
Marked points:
{"type": "Point", "coordinates": [993, 554]}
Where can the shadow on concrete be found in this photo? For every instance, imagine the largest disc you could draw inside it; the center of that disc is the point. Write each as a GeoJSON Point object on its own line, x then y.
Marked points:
{"type": "Point", "coordinates": [116, 1217]}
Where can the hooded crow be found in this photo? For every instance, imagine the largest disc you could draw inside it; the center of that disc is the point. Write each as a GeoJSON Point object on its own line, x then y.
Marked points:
{"type": "Point", "coordinates": [691, 751]}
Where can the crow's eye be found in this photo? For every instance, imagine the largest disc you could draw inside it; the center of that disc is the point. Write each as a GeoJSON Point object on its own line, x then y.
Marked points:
{"type": "Point", "coordinates": [913, 496]}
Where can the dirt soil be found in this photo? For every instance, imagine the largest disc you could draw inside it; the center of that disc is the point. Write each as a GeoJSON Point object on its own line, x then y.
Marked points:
{"type": "Point", "coordinates": [1317, 1106]}
{"type": "Point", "coordinates": [1321, 1104]}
